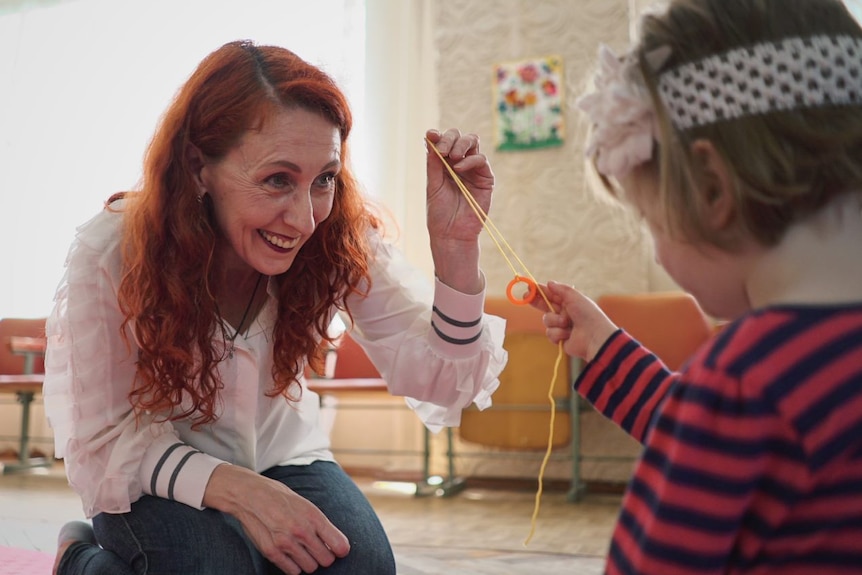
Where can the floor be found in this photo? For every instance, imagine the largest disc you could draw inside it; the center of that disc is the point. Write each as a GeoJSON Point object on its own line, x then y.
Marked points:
{"type": "Point", "coordinates": [478, 531]}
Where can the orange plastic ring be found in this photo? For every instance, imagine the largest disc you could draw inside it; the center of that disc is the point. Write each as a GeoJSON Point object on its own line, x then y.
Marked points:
{"type": "Point", "coordinates": [532, 289]}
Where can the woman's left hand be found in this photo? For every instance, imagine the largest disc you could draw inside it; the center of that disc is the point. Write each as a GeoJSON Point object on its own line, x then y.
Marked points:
{"type": "Point", "coordinates": [453, 225]}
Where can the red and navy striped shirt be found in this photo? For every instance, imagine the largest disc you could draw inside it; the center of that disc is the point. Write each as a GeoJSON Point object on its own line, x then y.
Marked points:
{"type": "Point", "coordinates": [752, 458]}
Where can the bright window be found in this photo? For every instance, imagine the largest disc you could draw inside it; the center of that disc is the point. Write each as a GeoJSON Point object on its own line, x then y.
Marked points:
{"type": "Point", "coordinates": [83, 85]}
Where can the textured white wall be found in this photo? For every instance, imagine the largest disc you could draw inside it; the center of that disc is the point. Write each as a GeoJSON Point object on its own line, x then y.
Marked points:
{"type": "Point", "coordinates": [542, 204]}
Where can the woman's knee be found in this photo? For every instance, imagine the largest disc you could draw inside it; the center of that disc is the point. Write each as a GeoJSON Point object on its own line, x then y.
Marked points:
{"type": "Point", "coordinates": [161, 536]}
{"type": "Point", "coordinates": [363, 560]}
{"type": "Point", "coordinates": [327, 486]}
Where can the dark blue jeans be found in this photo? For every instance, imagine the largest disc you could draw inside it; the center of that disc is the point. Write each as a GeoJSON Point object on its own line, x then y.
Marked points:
{"type": "Point", "coordinates": [161, 537]}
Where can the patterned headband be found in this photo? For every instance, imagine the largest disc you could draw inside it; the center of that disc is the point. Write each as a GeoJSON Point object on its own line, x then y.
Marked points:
{"type": "Point", "coordinates": [790, 74]}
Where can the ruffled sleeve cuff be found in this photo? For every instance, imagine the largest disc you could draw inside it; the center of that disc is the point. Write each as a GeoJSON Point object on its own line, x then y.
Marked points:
{"type": "Point", "coordinates": [474, 343]}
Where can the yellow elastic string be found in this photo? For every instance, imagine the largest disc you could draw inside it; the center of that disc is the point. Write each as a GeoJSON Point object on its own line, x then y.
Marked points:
{"type": "Point", "coordinates": [550, 447]}
{"type": "Point", "coordinates": [489, 227]}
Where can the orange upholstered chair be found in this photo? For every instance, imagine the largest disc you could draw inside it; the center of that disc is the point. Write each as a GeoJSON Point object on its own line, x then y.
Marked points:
{"type": "Point", "coordinates": [519, 416]}
{"type": "Point", "coordinates": [352, 361]}
{"type": "Point", "coordinates": [670, 324]}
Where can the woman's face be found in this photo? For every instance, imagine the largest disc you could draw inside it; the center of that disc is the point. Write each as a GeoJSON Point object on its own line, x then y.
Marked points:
{"type": "Point", "coordinates": [273, 188]}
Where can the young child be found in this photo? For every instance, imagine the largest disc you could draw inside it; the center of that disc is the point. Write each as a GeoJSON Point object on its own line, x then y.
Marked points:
{"type": "Point", "coordinates": [735, 128]}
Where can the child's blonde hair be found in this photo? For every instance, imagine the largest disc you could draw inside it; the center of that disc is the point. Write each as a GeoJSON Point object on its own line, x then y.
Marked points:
{"type": "Point", "coordinates": [785, 164]}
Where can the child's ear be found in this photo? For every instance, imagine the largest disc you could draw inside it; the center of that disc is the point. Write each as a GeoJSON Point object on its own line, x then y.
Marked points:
{"type": "Point", "coordinates": [716, 183]}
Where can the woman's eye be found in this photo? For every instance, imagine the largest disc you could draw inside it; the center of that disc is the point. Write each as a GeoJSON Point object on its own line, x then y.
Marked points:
{"type": "Point", "coordinates": [326, 180]}
{"type": "Point", "coordinates": [279, 181]}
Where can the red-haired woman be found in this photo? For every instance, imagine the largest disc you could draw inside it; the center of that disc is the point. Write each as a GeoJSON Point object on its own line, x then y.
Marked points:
{"type": "Point", "coordinates": [190, 309]}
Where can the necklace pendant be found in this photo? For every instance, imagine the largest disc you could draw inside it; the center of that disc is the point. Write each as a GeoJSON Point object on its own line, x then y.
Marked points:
{"type": "Point", "coordinates": [241, 321]}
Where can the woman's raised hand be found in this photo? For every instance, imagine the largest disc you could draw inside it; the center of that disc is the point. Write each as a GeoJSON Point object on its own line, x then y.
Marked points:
{"type": "Point", "coordinates": [453, 225]}
{"type": "Point", "coordinates": [449, 214]}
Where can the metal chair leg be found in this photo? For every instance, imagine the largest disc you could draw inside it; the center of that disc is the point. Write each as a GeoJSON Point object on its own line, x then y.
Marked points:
{"type": "Point", "coordinates": [435, 484]}
{"type": "Point", "coordinates": [25, 462]}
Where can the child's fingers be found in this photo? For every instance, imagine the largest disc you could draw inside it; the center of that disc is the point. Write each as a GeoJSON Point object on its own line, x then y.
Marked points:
{"type": "Point", "coordinates": [540, 303]}
{"type": "Point", "coordinates": [557, 320]}
{"type": "Point", "coordinates": [569, 298]}
{"type": "Point", "coordinates": [558, 334]}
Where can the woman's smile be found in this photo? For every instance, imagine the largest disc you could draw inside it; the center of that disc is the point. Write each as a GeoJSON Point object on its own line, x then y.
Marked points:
{"type": "Point", "coordinates": [279, 242]}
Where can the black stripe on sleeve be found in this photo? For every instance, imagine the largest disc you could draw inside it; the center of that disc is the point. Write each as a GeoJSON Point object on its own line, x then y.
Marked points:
{"type": "Point", "coordinates": [453, 340]}
{"type": "Point", "coordinates": [177, 472]}
{"type": "Point", "coordinates": [161, 464]}
{"type": "Point", "coordinates": [455, 322]}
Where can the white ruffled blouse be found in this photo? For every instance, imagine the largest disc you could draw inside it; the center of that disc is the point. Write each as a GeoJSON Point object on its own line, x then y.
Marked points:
{"type": "Point", "coordinates": [441, 358]}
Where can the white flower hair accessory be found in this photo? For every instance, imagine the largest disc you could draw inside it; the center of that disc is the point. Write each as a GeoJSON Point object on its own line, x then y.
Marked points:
{"type": "Point", "coordinates": [622, 115]}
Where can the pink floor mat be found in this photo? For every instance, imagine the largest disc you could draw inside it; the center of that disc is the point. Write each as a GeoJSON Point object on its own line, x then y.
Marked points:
{"type": "Point", "coordinates": [14, 561]}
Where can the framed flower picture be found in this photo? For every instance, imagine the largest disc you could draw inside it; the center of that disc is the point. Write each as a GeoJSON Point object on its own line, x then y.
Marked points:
{"type": "Point", "coordinates": [528, 96]}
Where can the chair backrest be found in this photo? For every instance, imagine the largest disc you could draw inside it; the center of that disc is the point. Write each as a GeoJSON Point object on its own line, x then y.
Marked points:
{"type": "Point", "coordinates": [670, 324]}
{"type": "Point", "coordinates": [351, 360]}
{"type": "Point", "coordinates": [11, 363]}
{"type": "Point", "coordinates": [521, 414]}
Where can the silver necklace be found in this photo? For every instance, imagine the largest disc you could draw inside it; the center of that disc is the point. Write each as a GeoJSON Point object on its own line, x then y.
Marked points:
{"type": "Point", "coordinates": [244, 316]}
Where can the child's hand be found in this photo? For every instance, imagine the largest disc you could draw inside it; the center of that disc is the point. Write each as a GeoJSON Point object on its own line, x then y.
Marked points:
{"type": "Point", "coordinates": [576, 320]}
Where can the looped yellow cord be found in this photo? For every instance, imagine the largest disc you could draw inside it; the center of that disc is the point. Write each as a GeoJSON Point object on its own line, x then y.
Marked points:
{"type": "Point", "coordinates": [527, 278]}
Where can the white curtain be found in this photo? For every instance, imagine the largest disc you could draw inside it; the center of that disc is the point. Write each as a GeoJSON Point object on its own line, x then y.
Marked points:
{"type": "Point", "coordinates": [82, 85]}
{"type": "Point", "coordinates": [400, 105]}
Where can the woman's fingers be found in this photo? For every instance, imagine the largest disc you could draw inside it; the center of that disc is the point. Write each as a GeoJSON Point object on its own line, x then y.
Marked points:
{"type": "Point", "coordinates": [285, 563]}
{"type": "Point", "coordinates": [303, 551]}
{"type": "Point", "coordinates": [335, 541]}
{"type": "Point", "coordinates": [456, 147]}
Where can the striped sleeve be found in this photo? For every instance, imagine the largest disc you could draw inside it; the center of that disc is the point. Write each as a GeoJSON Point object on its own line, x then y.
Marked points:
{"type": "Point", "coordinates": [173, 470]}
{"type": "Point", "coordinates": [626, 383]}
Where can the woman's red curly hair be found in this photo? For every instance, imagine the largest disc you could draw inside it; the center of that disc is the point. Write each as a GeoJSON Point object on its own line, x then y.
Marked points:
{"type": "Point", "coordinates": [169, 235]}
